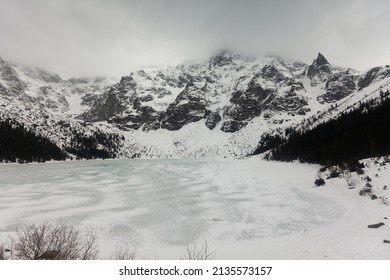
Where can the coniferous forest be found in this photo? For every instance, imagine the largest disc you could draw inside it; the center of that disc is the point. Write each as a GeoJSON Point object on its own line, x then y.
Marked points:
{"type": "Point", "coordinates": [360, 133]}
{"type": "Point", "coordinates": [17, 144]}
{"type": "Point", "coordinates": [98, 145]}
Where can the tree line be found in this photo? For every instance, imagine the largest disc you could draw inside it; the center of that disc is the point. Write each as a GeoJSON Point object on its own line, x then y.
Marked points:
{"type": "Point", "coordinates": [359, 133]}
{"type": "Point", "coordinates": [18, 144]}
{"type": "Point", "coordinates": [97, 145]}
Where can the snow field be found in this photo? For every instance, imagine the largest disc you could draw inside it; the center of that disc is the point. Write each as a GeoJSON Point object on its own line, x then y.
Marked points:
{"type": "Point", "coordinates": [245, 209]}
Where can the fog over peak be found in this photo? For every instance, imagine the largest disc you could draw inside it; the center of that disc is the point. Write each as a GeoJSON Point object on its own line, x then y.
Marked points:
{"type": "Point", "coordinates": [96, 37]}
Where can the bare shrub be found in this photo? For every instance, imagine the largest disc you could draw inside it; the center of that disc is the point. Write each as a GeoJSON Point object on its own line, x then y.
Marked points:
{"type": "Point", "coordinates": [89, 249]}
{"type": "Point", "coordinates": [123, 252]}
{"type": "Point", "coordinates": [319, 182]}
{"type": "Point", "coordinates": [55, 242]}
{"type": "Point", "coordinates": [194, 252]}
{"type": "Point", "coordinates": [6, 250]}
{"type": "Point", "coordinates": [334, 174]}
{"type": "Point", "coordinates": [366, 190]}
{"type": "Point", "coordinates": [367, 179]}
{"type": "Point", "coordinates": [360, 171]}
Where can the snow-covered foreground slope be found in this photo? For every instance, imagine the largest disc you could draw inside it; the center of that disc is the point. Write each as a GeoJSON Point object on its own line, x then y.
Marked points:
{"type": "Point", "coordinates": [245, 209]}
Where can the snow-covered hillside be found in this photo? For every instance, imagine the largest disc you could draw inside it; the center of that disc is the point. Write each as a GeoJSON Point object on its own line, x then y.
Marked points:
{"type": "Point", "coordinates": [219, 108]}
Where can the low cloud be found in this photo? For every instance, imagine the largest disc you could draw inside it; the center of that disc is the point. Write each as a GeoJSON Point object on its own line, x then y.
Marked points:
{"type": "Point", "coordinates": [88, 38]}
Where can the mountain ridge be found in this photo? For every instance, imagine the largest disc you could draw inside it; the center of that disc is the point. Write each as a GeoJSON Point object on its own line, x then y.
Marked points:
{"type": "Point", "coordinates": [220, 108]}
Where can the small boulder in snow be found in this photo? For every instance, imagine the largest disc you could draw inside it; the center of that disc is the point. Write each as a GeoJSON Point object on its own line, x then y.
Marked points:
{"type": "Point", "coordinates": [376, 225]}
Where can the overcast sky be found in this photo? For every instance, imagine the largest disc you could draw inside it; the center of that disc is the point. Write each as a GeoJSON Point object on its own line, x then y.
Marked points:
{"type": "Point", "coordinates": [96, 37]}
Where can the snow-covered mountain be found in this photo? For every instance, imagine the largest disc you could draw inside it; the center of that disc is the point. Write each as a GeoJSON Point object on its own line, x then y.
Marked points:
{"type": "Point", "coordinates": [219, 108]}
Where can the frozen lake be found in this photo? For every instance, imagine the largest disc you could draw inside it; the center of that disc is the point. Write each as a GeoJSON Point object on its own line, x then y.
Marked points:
{"type": "Point", "coordinates": [243, 208]}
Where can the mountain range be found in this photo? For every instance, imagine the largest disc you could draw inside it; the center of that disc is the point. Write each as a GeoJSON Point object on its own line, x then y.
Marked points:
{"type": "Point", "coordinates": [219, 108]}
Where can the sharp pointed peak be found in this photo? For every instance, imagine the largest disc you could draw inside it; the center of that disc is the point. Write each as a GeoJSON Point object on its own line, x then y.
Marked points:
{"type": "Point", "coordinates": [321, 60]}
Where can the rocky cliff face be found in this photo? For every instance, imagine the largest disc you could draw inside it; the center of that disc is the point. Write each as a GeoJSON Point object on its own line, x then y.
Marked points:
{"type": "Point", "coordinates": [230, 89]}
{"type": "Point", "coordinates": [338, 82]}
{"type": "Point", "coordinates": [218, 108]}
{"type": "Point", "coordinates": [10, 79]}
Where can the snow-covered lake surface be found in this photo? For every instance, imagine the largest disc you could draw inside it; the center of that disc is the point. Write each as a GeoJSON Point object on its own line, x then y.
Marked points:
{"type": "Point", "coordinates": [245, 209]}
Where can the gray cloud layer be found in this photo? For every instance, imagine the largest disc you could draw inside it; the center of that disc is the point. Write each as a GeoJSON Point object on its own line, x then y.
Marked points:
{"type": "Point", "coordinates": [96, 37]}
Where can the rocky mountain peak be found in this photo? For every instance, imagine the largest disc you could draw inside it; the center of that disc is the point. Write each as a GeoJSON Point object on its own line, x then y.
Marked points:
{"type": "Point", "coordinates": [224, 57]}
{"type": "Point", "coordinates": [320, 60]}
{"type": "Point", "coordinates": [10, 77]}
{"type": "Point", "coordinates": [228, 57]}
{"type": "Point", "coordinates": [44, 75]}
{"type": "Point", "coordinates": [319, 70]}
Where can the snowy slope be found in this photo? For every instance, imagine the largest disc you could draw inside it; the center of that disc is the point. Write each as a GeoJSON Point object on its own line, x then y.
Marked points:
{"type": "Point", "coordinates": [46, 104]}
